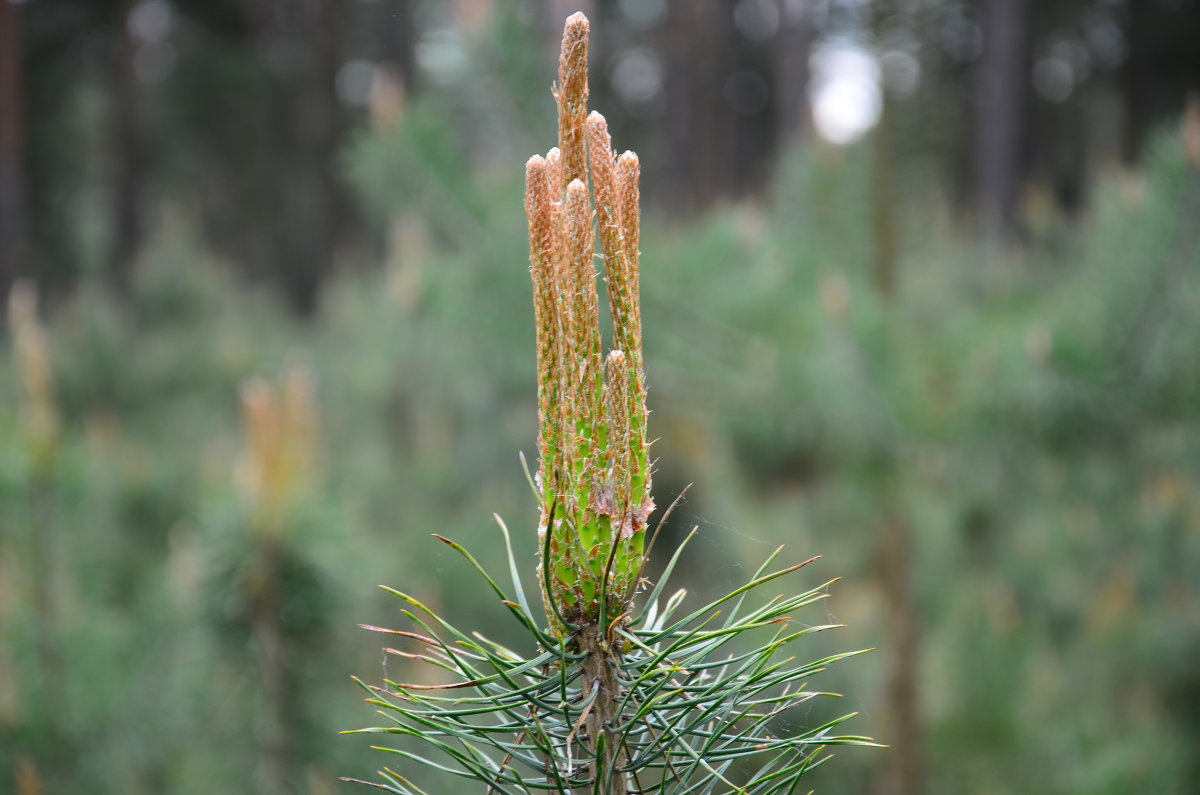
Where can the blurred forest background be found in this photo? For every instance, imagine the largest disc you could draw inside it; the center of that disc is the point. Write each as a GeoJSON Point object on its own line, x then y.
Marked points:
{"type": "Point", "coordinates": [921, 294]}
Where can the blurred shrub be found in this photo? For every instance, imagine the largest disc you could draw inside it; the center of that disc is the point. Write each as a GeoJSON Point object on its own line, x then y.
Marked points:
{"type": "Point", "coordinates": [1041, 411]}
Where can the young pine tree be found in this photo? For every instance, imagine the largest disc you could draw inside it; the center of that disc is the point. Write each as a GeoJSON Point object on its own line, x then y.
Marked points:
{"type": "Point", "coordinates": [615, 699]}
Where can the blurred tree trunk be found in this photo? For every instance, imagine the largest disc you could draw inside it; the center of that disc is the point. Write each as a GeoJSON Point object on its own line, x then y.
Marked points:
{"type": "Point", "coordinates": [398, 42]}
{"type": "Point", "coordinates": [129, 147]}
{"type": "Point", "coordinates": [680, 118]}
{"type": "Point", "coordinates": [713, 56]}
{"type": "Point", "coordinates": [1000, 115]}
{"type": "Point", "coordinates": [330, 204]}
{"type": "Point", "coordinates": [902, 772]}
{"type": "Point", "coordinates": [277, 754]}
{"type": "Point", "coordinates": [796, 35]}
{"type": "Point", "coordinates": [12, 202]}
{"type": "Point", "coordinates": [883, 198]}
{"type": "Point", "coordinates": [297, 43]}
{"type": "Point", "coordinates": [746, 131]}
{"type": "Point", "coordinates": [1137, 76]}
{"type": "Point", "coordinates": [699, 145]}
{"type": "Point", "coordinates": [44, 579]}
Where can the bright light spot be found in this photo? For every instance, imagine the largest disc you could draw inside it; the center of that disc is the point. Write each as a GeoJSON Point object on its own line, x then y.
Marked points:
{"type": "Point", "coordinates": [756, 19]}
{"type": "Point", "coordinates": [441, 54]}
{"type": "Point", "coordinates": [1053, 79]}
{"type": "Point", "coordinates": [1105, 40]}
{"type": "Point", "coordinates": [901, 72]}
{"type": "Point", "coordinates": [1075, 53]}
{"type": "Point", "coordinates": [150, 21]}
{"type": "Point", "coordinates": [637, 76]}
{"type": "Point", "coordinates": [844, 92]}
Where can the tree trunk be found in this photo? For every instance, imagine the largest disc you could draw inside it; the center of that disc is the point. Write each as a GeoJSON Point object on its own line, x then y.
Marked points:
{"type": "Point", "coordinates": [44, 577]}
{"type": "Point", "coordinates": [398, 41]}
{"type": "Point", "coordinates": [1000, 114]}
{"type": "Point", "coordinates": [698, 130]}
{"type": "Point", "coordinates": [796, 34]}
{"type": "Point", "coordinates": [599, 673]}
{"type": "Point", "coordinates": [902, 774]}
{"type": "Point", "coordinates": [883, 201]}
{"type": "Point", "coordinates": [272, 665]}
{"type": "Point", "coordinates": [328, 144]}
{"type": "Point", "coordinates": [128, 146]}
{"type": "Point", "coordinates": [12, 194]}
{"type": "Point", "coordinates": [1137, 83]}
{"type": "Point", "coordinates": [680, 147]}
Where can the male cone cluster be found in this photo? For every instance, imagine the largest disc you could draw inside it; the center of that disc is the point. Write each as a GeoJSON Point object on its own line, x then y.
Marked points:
{"type": "Point", "coordinates": [594, 474]}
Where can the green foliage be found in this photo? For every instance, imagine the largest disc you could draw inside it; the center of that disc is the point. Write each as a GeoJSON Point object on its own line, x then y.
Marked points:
{"type": "Point", "coordinates": [699, 711]}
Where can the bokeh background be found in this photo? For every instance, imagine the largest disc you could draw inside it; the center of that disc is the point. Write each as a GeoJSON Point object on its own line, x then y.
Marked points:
{"type": "Point", "coordinates": [921, 295]}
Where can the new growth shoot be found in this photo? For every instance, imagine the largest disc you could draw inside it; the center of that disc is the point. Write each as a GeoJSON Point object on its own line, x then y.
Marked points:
{"type": "Point", "coordinates": [615, 699]}
{"type": "Point", "coordinates": [594, 476]}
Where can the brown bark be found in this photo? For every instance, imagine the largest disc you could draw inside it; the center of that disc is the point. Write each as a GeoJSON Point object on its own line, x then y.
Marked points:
{"type": "Point", "coordinates": [599, 674]}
